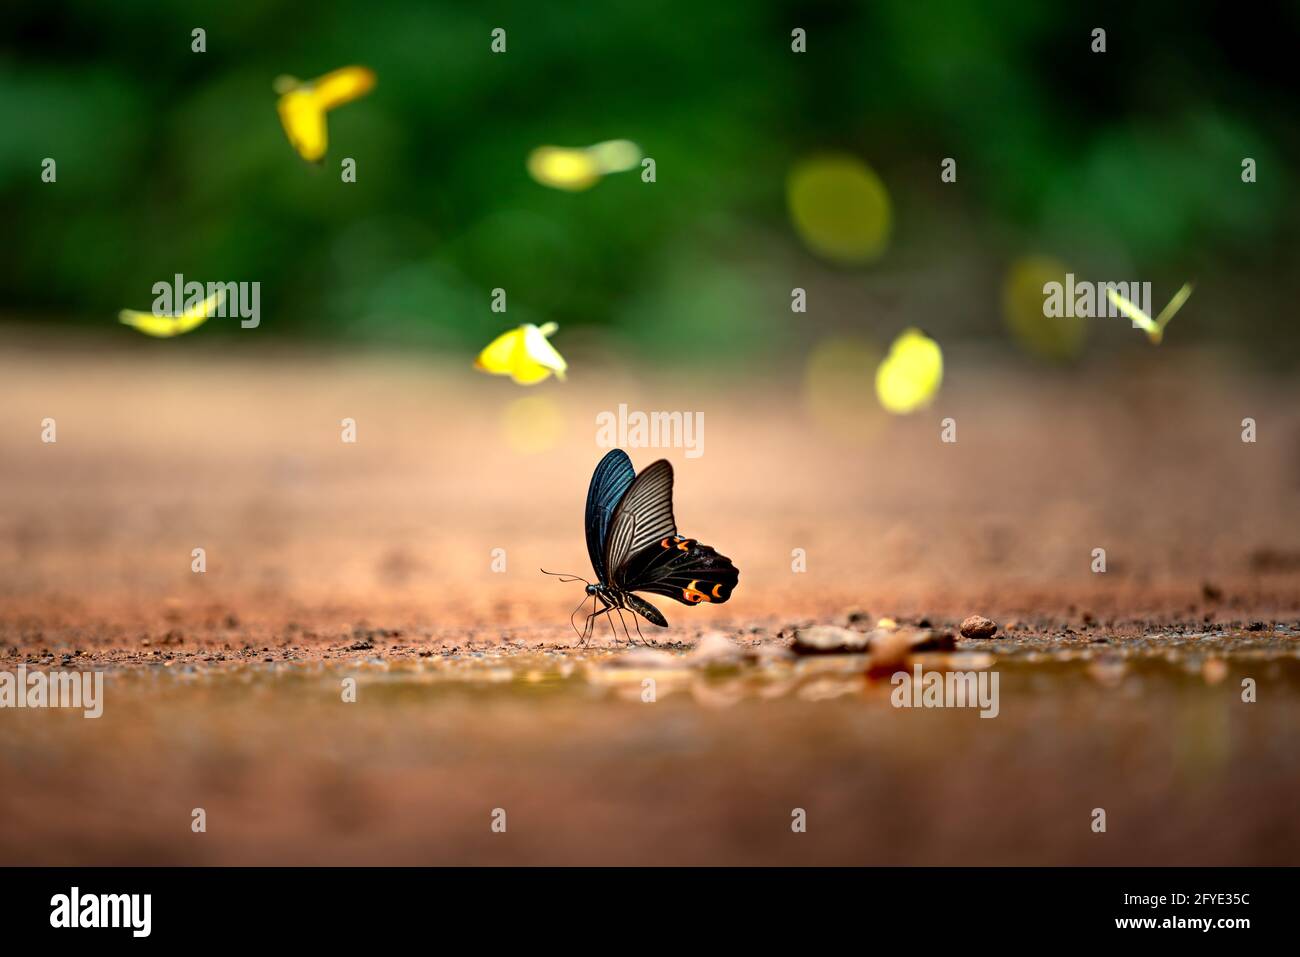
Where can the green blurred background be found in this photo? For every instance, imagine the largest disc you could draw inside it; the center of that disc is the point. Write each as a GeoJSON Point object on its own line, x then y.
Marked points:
{"type": "Point", "coordinates": [1123, 165]}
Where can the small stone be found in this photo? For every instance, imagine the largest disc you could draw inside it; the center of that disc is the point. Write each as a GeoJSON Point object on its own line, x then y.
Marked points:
{"type": "Point", "coordinates": [978, 627]}
{"type": "Point", "coordinates": [929, 639]}
{"type": "Point", "coordinates": [829, 640]}
{"type": "Point", "coordinates": [715, 648]}
{"type": "Point", "coordinates": [890, 649]}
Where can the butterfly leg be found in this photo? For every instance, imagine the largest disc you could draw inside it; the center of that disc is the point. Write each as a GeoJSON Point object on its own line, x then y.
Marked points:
{"type": "Point", "coordinates": [637, 623]}
{"type": "Point", "coordinates": [623, 622]}
{"type": "Point", "coordinates": [590, 630]}
{"type": "Point", "coordinates": [623, 604]}
{"type": "Point", "coordinates": [638, 631]}
{"type": "Point", "coordinates": [574, 612]}
{"type": "Point", "coordinates": [610, 611]}
{"type": "Point", "coordinates": [589, 626]}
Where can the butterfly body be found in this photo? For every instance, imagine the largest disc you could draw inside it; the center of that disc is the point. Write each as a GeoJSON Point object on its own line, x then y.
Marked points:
{"type": "Point", "coordinates": [634, 546]}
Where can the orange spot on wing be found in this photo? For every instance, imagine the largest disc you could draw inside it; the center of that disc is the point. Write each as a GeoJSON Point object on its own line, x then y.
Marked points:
{"type": "Point", "coordinates": [693, 594]}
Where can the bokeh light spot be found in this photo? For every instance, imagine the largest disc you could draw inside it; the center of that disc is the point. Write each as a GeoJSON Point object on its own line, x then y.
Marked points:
{"type": "Point", "coordinates": [839, 208]}
{"type": "Point", "coordinates": [1057, 338]}
{"type": "Point", "coordinates": [579, 168]}
{"type": "Point", "coordinates": [532, 424]}
{"type": "Point", "coordinates": [838, 392]}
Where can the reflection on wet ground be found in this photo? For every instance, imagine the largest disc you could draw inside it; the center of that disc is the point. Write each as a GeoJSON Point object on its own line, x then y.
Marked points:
{"type": "Point", "coordinates": [701, 754]}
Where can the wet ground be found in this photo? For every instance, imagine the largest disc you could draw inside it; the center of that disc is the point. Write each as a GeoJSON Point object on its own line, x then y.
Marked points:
{"type": "Point", "coordinates": [673, 756]}
{"type": "Point", "coordinates": [1126, 691]}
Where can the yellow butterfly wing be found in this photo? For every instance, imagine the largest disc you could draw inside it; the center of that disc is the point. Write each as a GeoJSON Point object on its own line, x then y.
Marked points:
{"type": "Point", "coordinates": [343, 86]}
{"type": "Point", "coordinates": [561, 168]}
{"type": "Point", "coordinates": [524, 354]}
{"type": "Point", "coordinates": [163, 327]}
{"type": "Point", "coordinates": [615, 156]}
{"type": "Point", "coordinates": [1174, 305]}
{"type": "Point", "coordinates": [499, 354]}
{"type": "Point", "coordinates": [158, 326]}
{"type": "Point", "coordinates": [302, 107]}
{"type": "Point", "coordinates": [1134, 312]}
{"type": "Point", "coordinates": [303, 120]}
{"type": "Point", "coordinates": [540, 354]}
{"type": "Point", "coordinates": [199, 313]}
{"type": "Point", "coordinates": [911, 374]}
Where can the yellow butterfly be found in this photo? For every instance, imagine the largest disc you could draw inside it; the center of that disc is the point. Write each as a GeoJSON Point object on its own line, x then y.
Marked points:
{"type": "Point", "coordinates": [910, 375]}
{"type": "Point", "coordinates": [302, 106]}
{"type": "Point", "coordinates": [163, 327]}
{"type": "Point", "coordinates": [578, 168]}
{"type": "Point", "coordinates": [1155, 329]}
{"type": "Point", "coordinates": [524, 354]}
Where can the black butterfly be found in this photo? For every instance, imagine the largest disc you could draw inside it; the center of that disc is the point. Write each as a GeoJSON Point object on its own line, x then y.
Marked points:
{"type": "Point", "coordinates": [634, 546]}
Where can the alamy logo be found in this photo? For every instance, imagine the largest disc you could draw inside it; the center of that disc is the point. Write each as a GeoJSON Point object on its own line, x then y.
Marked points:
{"type": "Point", "coordinates": [946, 689]}
{"type": "Point", "coordinates": [241, 300]}
{"type": "Point", "coordinates": [1088, 300]}
{"type": "Point", "coordinates": [54, 689]}
{"type": "Point", "coordinates": [134, 911]}
{"type": "Point", "coordinates": [651, 430]}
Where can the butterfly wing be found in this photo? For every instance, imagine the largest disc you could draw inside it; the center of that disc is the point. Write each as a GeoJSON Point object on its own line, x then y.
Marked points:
{"type": "Point", "coordinates": [1135, 313]}
{"type": "Point", "coordinates": [524, 354]}
{"type": "Point", "coordinates": [303, 119]}
{"type": "Point", "coordinates": [499, 357]}
{"type": "Point", "coordinates": [199, 313]}
{"type": "Point", "coordinates": [343, 86]}
{"type": "Point", "coordinates": [163, 327]}
{"type": "Point", "coordinates": [160, 327]}
{"type": "Point", "coordinates": [1174, 305]}
{"type": "Point", "coordinates": [609, 483]}
{"type": "Point", "coordinates": [643, 517]}
{"type": "Point", "coordinates": [562, 168]}
{"type": "Point", "coordinates": [540, 354]}
{"type": "Point", "coordinates": [682, 569]}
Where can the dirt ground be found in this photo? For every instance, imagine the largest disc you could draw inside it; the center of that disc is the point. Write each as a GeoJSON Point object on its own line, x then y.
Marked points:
{"type": "Point", "coordinates": [372, 560]}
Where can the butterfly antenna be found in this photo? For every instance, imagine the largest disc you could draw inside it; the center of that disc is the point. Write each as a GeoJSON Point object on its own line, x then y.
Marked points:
{"type": "Point", "coordinates": [574, 612]}
{"type": "Point", "coordinates": [565, 577]}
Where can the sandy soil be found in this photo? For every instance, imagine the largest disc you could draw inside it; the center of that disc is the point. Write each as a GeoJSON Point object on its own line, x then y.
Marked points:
{"type": "Point", "coordinates": [372, 560]}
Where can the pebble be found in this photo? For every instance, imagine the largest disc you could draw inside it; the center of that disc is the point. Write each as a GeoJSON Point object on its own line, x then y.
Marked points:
{"type": "Point", "coordinates": [829, 640]}
{"type": "Point", "coordinates": [715, 648]}
{"type": "Point", "coordinates": [890, 649]}
{"type": "Point", "coordinates": [978, 627]}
